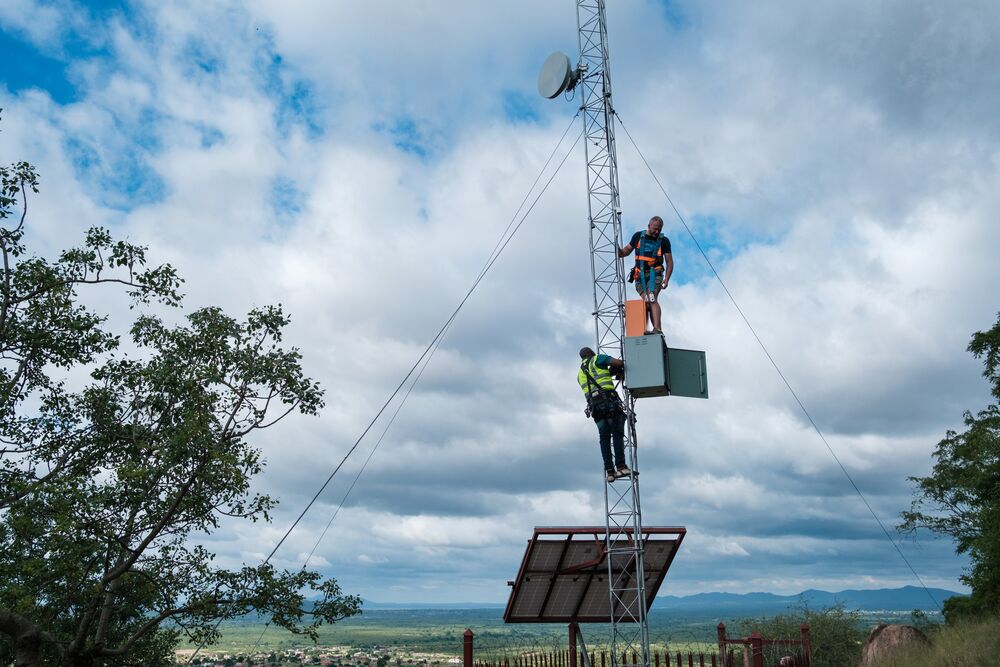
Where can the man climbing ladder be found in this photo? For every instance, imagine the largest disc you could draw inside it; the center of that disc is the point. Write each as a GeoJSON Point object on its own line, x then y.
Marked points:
{"type": "Point", "coordinates": [654, 265]}
{"type": "Point", "coordinates": [597, 380]}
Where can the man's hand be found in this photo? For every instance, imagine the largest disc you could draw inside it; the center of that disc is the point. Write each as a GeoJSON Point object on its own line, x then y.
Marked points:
{"type": "Point", "coordinates": [665, 283]}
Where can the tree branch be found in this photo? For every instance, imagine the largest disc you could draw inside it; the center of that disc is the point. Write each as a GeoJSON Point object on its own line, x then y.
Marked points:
{"type": "Point", "coordinates": [155, 530]}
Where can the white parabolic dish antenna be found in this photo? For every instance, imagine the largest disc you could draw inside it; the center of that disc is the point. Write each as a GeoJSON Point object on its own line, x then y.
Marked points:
{"type": "Point", "coordinates": [556, 76]}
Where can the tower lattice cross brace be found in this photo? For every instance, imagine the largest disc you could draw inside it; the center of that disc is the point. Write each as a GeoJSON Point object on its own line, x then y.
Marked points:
{"type": "Point", "coordinates": [626, 584]}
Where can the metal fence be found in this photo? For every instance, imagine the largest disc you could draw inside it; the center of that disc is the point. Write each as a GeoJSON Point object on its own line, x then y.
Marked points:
{"type": "Point", "coordinates": [683, 650]}
{"type": "Point", "coordinates": [513, 655]}
{"type": "Point", "coordinates": [756, 651]}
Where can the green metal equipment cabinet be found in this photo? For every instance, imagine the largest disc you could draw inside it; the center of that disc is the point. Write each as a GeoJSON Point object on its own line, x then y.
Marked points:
{"type": "Point", "coordinates": [653, 369]}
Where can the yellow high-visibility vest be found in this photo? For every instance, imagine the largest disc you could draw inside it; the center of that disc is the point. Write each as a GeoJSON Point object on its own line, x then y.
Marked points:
{"type": "Point", "coordinates": [602, 376]}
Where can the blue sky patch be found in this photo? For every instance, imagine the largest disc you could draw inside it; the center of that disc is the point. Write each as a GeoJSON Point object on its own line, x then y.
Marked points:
{"type": "Point", "coordinates": [721, 241]}
{"type": "Point", "coordinates": [26, 67]}
{"type": "Point", "coordinates": [674, 14]}
{"type": "Point", "coordinates": [298, 106]}
{"type": "Point", "coordinates": [210, 136]}
{"type": "Point", "coordinates": [286, 200]}
{"type": "Point", "coordinates": [405, 136]}
{"type": "Point", "coordinates": [294, 98]}
{"type": "Point", "coordinates": [123, 182]}
{"type": "Point", "coordinates": [200, 60]}
{"type": "Point", "coordinates": [520, 108]}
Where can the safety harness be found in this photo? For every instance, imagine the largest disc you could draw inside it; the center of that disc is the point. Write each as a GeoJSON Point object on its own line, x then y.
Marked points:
{"type": "Point", "coordinates": [645, 258]}
{"type": "Point", "coordinates": [602, 399]}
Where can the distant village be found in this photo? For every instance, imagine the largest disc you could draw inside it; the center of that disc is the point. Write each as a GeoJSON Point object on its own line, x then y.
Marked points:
{"type": "Point", "coordinates": [327, 656]}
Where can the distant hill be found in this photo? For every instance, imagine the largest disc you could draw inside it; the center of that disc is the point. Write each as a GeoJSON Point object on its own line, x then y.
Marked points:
{"type": "Point", "coordinates": [369, 604]}
{"type": "Point", "coordinates": [906, 598]}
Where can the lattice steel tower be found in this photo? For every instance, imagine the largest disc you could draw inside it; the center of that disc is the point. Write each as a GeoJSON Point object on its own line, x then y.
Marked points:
{"type": "Point", "coordinates": [630, 630]}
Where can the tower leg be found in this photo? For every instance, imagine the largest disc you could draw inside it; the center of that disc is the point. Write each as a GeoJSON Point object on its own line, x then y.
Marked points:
{"type": "Point", "coordinates": [623, 537]}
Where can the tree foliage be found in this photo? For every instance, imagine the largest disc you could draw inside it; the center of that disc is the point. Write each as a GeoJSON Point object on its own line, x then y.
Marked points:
{"type": "Point", "coordinates": [106, 490]}
{"type": "Point", "coordinates": [961, 496]}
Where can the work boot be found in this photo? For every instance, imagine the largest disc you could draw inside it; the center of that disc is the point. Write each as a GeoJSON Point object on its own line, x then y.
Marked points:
{"type": "Point", "coordinates": [611, 475]}
{"type": "Point", "coordinates": [623, 471]}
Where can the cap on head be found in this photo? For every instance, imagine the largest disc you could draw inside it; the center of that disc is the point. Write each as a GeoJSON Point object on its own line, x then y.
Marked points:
{"type": "Point", "coordinates": [586, 353]}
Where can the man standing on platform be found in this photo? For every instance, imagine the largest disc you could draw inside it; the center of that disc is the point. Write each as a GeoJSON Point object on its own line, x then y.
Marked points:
{"type": "Point", "coordinates": [654, 265]}
{"type": "Point", "coordinates": [597, 380]}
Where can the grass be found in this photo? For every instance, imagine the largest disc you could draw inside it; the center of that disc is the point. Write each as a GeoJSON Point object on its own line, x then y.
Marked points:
{"type": "Point", "coordinates": [963, 644]}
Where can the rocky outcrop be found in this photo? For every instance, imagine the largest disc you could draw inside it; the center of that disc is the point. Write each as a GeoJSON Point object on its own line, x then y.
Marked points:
{"type": "Point", "coordinates": [885, 640]}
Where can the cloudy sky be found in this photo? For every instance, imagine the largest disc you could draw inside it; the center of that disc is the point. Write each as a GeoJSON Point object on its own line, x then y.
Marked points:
{"type": "Point", "coordinates": [357, 162]}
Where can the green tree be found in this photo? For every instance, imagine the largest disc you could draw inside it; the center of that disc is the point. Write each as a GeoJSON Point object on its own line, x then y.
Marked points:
{"type": "Point", "coordinates": [43, 329]}
{"type": "Point", "coordinates": [961, 496]}
{"type": "Point", "coordinates": [105, 491]}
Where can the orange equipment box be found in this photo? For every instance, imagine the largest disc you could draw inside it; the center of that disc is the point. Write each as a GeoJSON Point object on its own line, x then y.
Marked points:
{"type": "Point", "coordinates": [635, 317]}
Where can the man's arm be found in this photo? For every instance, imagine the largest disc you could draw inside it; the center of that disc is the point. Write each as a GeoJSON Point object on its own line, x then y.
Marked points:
{"type": "Point", "coordinates": [627, 250]}
{"type": "Point", "coordinates": [668, 267]}
{"type": "Point", "coordinates": [607, 362]}
{"type": "Point", "coordinates": [617, 368]}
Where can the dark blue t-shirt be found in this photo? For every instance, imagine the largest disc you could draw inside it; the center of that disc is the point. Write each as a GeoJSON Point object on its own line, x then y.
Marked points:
{"type": "Point", "coordinates": [603, 361]}
{"type": "Point", "coordinates": [664, 242]}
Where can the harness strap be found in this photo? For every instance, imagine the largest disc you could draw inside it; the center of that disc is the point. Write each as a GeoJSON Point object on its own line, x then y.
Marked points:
{"type": "Point", "coordinates": [590, 378]}
{"type": "Point", "coordinates": [655, 262]}
{"type": "Point", "coordinates": [592, 382]}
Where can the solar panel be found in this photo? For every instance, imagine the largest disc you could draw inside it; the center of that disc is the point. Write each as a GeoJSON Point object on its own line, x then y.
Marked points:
{"type": "Point", "coordinates": [564, 574]}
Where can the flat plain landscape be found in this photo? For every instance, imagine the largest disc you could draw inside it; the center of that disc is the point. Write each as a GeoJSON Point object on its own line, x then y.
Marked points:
{"type": "Point", "coordinates": [440, 632]}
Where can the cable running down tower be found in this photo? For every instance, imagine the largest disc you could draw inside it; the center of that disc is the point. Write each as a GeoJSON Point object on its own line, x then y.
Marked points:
{"type": "Point", "coordinates": [623, 510]}
{"type": "Point", "coordinates": [651, 369]}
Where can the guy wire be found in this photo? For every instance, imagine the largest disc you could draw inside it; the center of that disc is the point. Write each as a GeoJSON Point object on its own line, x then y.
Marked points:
{"type": "Point", "coordinates": [435, 341]}
{"type": "Point", "coordinates": [775, 364]}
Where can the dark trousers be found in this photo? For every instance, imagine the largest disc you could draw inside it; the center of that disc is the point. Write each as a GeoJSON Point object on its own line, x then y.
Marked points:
{"type": "Point", "coordinates": [612, 428]}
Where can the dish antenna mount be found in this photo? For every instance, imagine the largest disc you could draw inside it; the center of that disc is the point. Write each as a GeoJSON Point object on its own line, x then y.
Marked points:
{"type": "Point", "coordinates": [557, 76]}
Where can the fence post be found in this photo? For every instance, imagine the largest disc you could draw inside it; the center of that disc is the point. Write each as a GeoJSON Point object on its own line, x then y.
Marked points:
{"type": "Point", "coordinates": [721, 629]}
{"type": "Point", "coordinates": [574, 652]}
{"type": "Point", "coordinates": [806, 654]}
{"type": "Point", "coordinates": [757, 647]}
{"type": "Point", "coordinates": [467, 648]}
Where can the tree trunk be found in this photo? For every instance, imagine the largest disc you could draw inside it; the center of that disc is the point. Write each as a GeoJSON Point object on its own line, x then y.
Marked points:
{"type": "Point", "coordinates": [28, 651]}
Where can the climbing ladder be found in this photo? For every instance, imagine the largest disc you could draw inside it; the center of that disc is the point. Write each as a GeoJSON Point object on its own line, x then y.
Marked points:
{"type": "Point", "coordinates": [627, 589]}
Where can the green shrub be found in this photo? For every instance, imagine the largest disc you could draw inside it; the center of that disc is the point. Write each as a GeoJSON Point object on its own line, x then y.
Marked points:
{"type": "Point", "coordinates": [835, 635]}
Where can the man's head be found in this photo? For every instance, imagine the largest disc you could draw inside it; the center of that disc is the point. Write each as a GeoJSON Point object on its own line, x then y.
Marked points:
{"type": "Point", "coordinates": [655, 226]}
{"type": "Point", "coordinates": [586, 353]}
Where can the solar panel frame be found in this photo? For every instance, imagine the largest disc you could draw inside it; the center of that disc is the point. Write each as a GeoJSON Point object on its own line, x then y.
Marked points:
{"type": "Point", "coordinates": [563, 574]}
